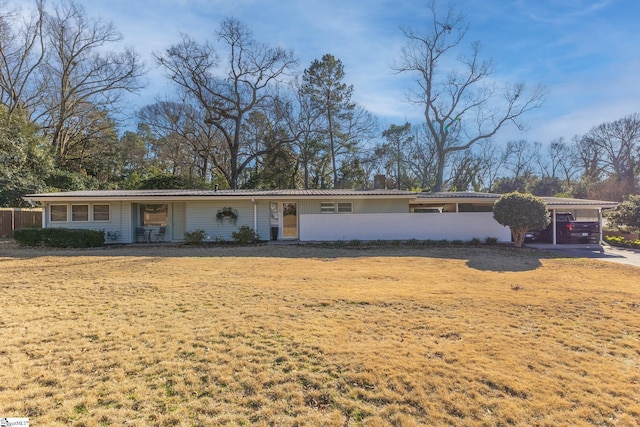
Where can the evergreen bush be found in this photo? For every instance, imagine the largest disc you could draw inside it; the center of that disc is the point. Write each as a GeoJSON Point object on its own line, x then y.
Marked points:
{"type": "Point", "coordinates": [245, 235]}
{"type": "Point", "coordinates": [60, 237]}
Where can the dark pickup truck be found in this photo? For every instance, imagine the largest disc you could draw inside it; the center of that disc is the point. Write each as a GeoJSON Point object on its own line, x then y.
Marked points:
{"type": "Point", "coordinates": [568, 230]}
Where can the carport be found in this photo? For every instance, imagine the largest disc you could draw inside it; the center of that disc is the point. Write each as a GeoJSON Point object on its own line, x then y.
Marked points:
{"type": "Point", "coordinates": [479, 203]}
{"type": "Point", "coordinates": [579, 208]}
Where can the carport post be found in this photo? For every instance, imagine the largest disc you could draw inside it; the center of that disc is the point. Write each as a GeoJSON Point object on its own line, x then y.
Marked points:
{"type": "Point", "coordinates": [600, 223]}
{"type": "Point", "coordinates": [553, 218]}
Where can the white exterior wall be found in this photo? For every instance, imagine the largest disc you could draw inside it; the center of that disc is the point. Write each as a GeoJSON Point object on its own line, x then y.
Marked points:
{"type": "Point", "coordinates": [450, 226]}
{"type": "Point", "coordinates": [202, 216]}
{"type": "Point", "coordinates": [120, 219]}
{"type": "Point", "coordinates": [359, 206]}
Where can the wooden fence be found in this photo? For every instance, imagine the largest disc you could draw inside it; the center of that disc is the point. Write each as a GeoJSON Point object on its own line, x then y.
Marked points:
{"type": "Point", "coordinates": [15, 218]}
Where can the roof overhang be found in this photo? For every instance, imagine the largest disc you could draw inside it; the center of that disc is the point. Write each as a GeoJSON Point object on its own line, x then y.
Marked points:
{"type": "Point", "coordinates": [192, 195]}
{"type": "Point", "coordinates": [557, 203]}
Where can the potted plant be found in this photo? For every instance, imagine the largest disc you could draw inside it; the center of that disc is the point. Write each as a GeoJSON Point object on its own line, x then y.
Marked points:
{"type": "Point", "coordinates": [113, 235]}
{"type": "Point", "coordinates": [225, 212]}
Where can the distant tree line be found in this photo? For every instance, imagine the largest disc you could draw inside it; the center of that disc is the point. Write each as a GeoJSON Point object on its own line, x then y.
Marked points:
{"type": "Point", "coordinates": [239, 114]}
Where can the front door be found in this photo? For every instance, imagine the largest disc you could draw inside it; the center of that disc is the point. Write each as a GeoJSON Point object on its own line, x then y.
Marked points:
{"type": "Point", "coordinates": [290, 220]}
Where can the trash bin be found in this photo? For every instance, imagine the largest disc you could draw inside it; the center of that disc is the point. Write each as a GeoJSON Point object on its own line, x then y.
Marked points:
{"type": "Point", "coordinates": [274, 233]}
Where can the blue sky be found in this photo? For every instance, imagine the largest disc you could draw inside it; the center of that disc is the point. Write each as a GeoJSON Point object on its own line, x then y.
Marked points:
{"type": "Point", "coordinates": [587, 52]}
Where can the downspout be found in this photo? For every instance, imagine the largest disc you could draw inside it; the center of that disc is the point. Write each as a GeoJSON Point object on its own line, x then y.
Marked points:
{"type": "Point", "coordinates": [255, 215]}
{"type": "Point", "coordinates": [111, 213]}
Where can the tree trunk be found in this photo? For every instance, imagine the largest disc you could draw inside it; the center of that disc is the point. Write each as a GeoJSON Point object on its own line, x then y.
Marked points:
{"type": "Point", "coordinates": [439, 173]}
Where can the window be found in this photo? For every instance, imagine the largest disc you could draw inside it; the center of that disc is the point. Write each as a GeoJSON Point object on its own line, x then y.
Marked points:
{"type": "Point", "coordinates": [428, 210]}
{"type": "Point", "coordinates": [345, 207]}
{"type": "Point", "coordinates": [154, 215]}
{"type": "Point", "coordinates": [58, 213]}
{"type": "Point", "coordinates": [327, 207]}
{"type": "Point", "coordinates": [101, 213]}
{"type": "Point", "coordinates": [79, 212]}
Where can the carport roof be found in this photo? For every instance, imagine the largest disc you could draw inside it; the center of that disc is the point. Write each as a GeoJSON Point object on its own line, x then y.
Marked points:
{"type": "Point", "coordinates": [565, 203]}
{"type": "Point", "coordinates": [551, 202]}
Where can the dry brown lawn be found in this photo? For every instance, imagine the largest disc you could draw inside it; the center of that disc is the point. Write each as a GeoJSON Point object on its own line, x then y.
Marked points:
{"type": "Point", "coordinates": [291, 335]}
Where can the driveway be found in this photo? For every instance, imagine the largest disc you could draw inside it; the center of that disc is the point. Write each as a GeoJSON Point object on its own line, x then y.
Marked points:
{"type": "Point", "coordinates": [601, 252]}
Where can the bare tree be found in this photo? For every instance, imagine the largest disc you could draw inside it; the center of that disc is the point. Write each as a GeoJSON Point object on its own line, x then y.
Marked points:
{"type": "Point", "coordinates": [79, 72]}
{"type": "Point", "coordinates": [460, 107]}
{"type": "Point", "coordinates": [183, 143]}
{"type": "Point", "coordinates": [421, 158]}
{"type": "Point", "coordinates": [619, 142]}
{"type": "Point", "coordinates": [587, 156]}
{"type": "Point", "coordinates": [229, 89]}
{"type": "Point", "coordinates": [520, 157]}
{"type": "Point", "coordinates": [560, 161]}
{"type": "Point", "coordinates": [492, 164]}
{"type": "Point", "coordinates": [22, 50]}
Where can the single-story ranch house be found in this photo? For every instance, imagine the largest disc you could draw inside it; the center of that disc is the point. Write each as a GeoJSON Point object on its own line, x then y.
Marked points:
{"type": "Point", "coordinates": [302, 215]}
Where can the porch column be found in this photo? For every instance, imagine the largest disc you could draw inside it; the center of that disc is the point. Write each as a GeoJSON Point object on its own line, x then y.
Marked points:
{"type": "Point", "coordinates": [255, 215]}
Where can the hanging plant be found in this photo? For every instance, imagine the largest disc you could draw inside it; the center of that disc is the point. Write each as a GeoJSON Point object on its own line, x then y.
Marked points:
{"type": "Point", "coordinates": [229, 213]}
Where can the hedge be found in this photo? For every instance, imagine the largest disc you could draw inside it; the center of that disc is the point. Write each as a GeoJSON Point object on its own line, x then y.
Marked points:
{"type": "Point", "coordinates": [59, 237]}
{"type": "Point", "coordinates": [622, 242]}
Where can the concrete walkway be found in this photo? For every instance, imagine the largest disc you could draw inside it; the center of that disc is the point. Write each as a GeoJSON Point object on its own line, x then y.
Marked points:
{"type": "Point", "coordinates": [603, 252]}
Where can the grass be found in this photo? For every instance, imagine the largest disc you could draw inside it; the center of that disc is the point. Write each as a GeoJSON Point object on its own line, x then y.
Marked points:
{"type": "Point", "coordinates": [289, 335]}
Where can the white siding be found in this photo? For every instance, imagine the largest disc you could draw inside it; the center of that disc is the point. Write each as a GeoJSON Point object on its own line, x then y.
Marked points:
{"type": "Point", "coordinates": [360, 206]}
{"type": "Point", "coordinates": [119, 220]}
{"type": "Point", "coordinates": [202, 216]}
{"type": "Point", "coordinates": [452, 226]}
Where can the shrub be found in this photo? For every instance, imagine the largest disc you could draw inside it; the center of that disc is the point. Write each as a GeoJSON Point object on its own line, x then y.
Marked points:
{"type": "Point", "coordinates": [28, 236]}
{"type": "Point", "coordinates": [475, 241]}
{"type": "Point", "coordinates": [491, 241]}
{"type": "Point", "coordinates": [60, 237]}
{"type": "Point", "coordinates": [195, 237]}
{"type": "Point", "coordinates": [621, 241]}
{"type": "Point", "coordinates": [627, 216]}
{"type": "Point", "coordinates": [245, 235]}
{"type": "Point", "coordinates": [520, 212]}
{"type": "Point", "coordinates": [356, 243]}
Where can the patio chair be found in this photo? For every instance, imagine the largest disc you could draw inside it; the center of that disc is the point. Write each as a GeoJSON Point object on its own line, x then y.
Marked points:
{"type": "Point", "coordinates": [141, 235]}
{"type": "Point", "coordinates": [160, 235]}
